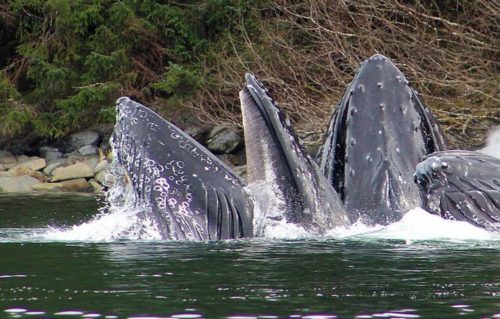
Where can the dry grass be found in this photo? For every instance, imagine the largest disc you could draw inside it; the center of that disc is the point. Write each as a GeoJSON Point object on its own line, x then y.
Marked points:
{"type": "Point", "coordinates": [308, 51]}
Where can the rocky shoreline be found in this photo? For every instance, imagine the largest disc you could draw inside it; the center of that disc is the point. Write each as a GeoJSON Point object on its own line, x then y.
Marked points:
{"type": "Point", "coordinates": [82, 161]}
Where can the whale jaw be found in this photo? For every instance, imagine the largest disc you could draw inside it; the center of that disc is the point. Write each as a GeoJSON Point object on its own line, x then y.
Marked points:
{"type": "Point", "coordinates": [189, 192]}
{"type": "Point", "coordinates": [276, 157]}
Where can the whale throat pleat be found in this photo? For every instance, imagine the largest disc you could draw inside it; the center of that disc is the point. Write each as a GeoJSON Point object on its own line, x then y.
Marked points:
{"type": "Point", "coordinates": [176, 180]}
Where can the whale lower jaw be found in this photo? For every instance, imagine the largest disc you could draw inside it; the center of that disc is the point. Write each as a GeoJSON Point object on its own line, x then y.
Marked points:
{"type": "Point", "coordinates": [189, 192]}
{"type": "Point", "coordinates": [276, 157]}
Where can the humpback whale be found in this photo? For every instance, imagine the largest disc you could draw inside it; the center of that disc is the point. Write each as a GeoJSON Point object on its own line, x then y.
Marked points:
{"type": "Point", "coordinates": [377, 135]}
{"type": "Point", "coordinates": [383, 155]}
{"type": "Point", "coordinates": [461, 185]}
{"type": "Point", "coordinates": [190, 193]}
{"type": "Point", "coordinates": [193, 195]}
{"type": "Point", "coordinates": [275, 156]}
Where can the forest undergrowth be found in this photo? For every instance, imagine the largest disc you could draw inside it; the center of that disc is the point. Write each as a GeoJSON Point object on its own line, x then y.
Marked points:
{"type": "Point", "coordinates": [63, 63]}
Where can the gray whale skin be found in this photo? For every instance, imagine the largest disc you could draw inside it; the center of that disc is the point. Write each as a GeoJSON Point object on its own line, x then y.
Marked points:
{"type": "Point", "coordinates": [192, 195]}
{"type": "Point", "coordinates": [383, 154]}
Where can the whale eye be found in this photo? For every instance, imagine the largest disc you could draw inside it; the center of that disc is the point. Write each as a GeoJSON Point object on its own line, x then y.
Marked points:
{"type": "Point", "coordinates": [444, 165]}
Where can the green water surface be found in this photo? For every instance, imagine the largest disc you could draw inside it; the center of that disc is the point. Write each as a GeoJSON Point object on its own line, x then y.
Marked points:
{"type": "Point", "coordinates": [257, 278]}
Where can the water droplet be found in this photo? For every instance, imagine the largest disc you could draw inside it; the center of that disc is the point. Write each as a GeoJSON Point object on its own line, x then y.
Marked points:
{"type": "Point", "coordinates": [380, 84]}
{"type": "Point", "coordinates": [381, 106]}
{"type": "Point", "coordinates": [444, 165]}
{"type": "Point", "coordinates": [361, 87]}
{"type": "Point", "coordinates": [354, 111]}
{"type": "Point", "coordinates": [353, 141]}
{"type": "Point", "coordinates": [398, 77]}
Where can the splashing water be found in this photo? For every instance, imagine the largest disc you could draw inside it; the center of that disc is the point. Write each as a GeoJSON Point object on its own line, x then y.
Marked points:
{"type": "Point", "coordinates": [269, 220]}
{"type": "Point", "coordinates": [418, 224]}
{"type": "Point", "coordinates": [492, 143]}
{"type": "Point", "coordinates": [122, 219]}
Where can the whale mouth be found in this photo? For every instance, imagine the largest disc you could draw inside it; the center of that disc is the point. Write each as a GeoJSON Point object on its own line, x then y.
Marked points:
{"type": "Point", "coordinates": [188, 191]}
{"type": "Point", "coordinates": [377, 135]}
{"type": "Point", "coordinates": [275, 155]}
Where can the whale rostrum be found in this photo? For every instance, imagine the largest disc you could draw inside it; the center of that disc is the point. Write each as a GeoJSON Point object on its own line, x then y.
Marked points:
{"type": "Point", "coordinates": [461, 185]}
{"type": "Point", "coordinates": [377, 135]}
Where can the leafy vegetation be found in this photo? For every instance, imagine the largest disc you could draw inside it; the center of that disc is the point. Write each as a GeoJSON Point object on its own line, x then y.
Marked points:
{"type": "Point", "coordinates": [67, 61]}
{"type": "Point", "coordinates": [63, 63]}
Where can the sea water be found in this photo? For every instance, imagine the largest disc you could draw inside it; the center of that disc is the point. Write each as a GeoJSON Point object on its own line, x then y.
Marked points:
{"type": "Point", "coordinates": [66, 257]}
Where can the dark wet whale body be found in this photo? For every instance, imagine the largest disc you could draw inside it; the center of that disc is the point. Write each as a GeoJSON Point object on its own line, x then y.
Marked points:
{"type": "Point", "coordinates": [461, 185]}
{"type": "Point", "coordinates": [193, 195]}
{"type": "Point", "coordinates": [377, 135]}
{"type": "Point", "coordinates": [189, 192]}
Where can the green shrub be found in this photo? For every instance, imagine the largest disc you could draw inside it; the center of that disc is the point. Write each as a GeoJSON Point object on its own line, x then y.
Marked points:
{"type": "Point", "coordinates": [74, 58]}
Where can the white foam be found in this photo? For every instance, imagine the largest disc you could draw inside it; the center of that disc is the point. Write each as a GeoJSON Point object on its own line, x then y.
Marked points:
{"type": "Point", "coordinates": [122, 219]}
{"type": "Point", "coordinates": [126, 224]}
{"type": "Point", "coordinates": [284, 230]}
{"type": "Point", "coordinates": [269, 220]}
{"type": "Point", "coordinates": [492, 143]}
{"type": "Point", "coordinates": [418, 225]}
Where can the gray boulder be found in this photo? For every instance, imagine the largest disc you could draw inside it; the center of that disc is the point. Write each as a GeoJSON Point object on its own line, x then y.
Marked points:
{"type": "Point", "coordinates": [80, 139]}
{"type": "Point", "coordinates": [52, 165]}
{"type": "Point", "coordinates": [241, 171]}
{"type": "Point", "coordinates": [7, 159]}
{"type": "Point", "coordinates": [104, 164]}
{"type": "Point", "coordinates": [91, 161]}
{"type": "Point", "coordinates": [50, 153]}
{"type": "Point", "coordinates": [18, 184]}
{"type": "Point", "coordinates": [104, 177]}
{"type": "Point", "coordinates": [77, 170]}
{"type": "Point", "coordinates": [224, 140]}
{"type": "Point", "coordinates": [96, 186]}
{"type": "Point", "coordinates": [72, 185]}
{"type": "Point", "coordinates": [33, 163]}
{"type": "Point", "coordinates": [88, 150]}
